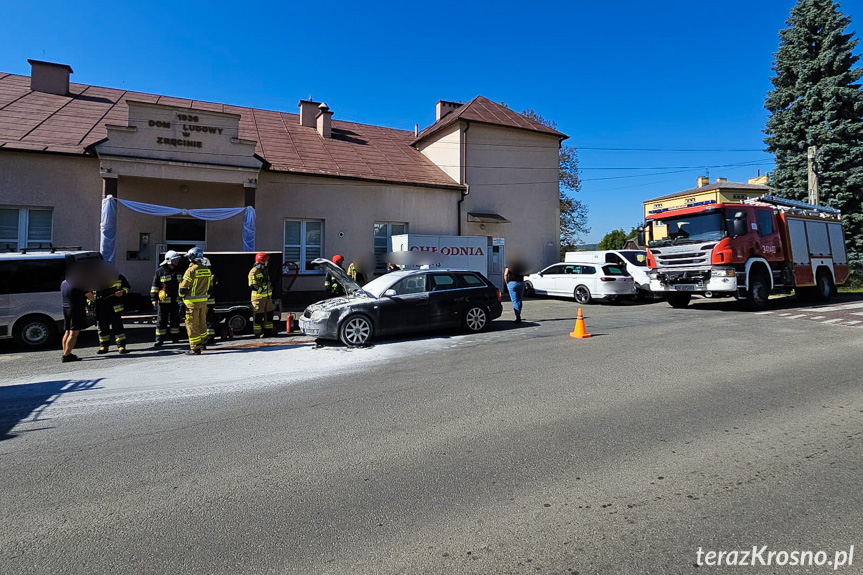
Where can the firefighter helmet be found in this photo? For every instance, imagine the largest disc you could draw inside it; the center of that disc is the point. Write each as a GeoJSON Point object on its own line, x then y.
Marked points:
{"type": "Point", "coordinates": [170, 256]}
{"type": "Point", "coordinates": [337, 259]}
{"type": "Point", "coordinates": [195, 254]}
{"type": "Point", "coordinates": [262, 258]}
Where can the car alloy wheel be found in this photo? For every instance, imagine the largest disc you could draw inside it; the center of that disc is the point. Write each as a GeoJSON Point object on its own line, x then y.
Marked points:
{"type": "Point", "coordinates": [475, 319]}
{"type": "Point", "coordinates": [356, 330]}
{"type": "Point", "coordinates": [582, 294]}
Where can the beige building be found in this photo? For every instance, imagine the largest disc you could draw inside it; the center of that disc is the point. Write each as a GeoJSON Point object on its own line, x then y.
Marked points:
{"type": "Point", "coordinates": [318, 186]}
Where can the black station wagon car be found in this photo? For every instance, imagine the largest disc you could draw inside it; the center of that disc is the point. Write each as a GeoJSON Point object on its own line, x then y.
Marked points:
{"type": "Point", "coordinates": [402, 302]}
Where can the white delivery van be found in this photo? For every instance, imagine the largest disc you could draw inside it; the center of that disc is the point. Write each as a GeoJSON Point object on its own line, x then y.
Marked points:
{"type": "Point", "coordinates": [30, 306]}
{"type": "Point", "coordinates": [635, 262]}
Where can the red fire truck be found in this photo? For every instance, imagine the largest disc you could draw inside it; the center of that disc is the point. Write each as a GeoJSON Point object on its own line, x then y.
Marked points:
{"type": "Point", "coordinates": [746, 250]}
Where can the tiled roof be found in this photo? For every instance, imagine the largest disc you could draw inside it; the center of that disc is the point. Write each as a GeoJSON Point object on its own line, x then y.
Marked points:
{"type": "Point", "coordinates": [716, 186]}
{"type": "Point", "coordinates": [36, 121]}
{"type": "Point", "coordinates": [485, 111]}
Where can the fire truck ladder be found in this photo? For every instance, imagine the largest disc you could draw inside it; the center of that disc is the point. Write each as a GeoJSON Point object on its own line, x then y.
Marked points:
{"type": "Point", "coordinates": [795, 207]}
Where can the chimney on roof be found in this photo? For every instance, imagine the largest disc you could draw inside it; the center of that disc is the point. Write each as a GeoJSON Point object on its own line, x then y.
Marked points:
{"type": "Point", "coordinates": [719, 180]}
{"type": "Point", "coordinates": [49, 77]}
{"type": "Point", "coordinates": [324, 120]}
{"type": "Point", "coordinates": [308, 111]}
{"type": "Point", "coordinates": [442, 108]}
{"type": "Point", "coordinates": [702, 181]}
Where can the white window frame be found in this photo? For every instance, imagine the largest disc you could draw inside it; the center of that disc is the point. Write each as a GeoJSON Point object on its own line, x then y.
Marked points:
{"type": "Point", "coordinates": [389, 238]}
{"type": "Point", "coordinates": [22, 241]}
{"type": "Point", "coordinates": [302, 245]}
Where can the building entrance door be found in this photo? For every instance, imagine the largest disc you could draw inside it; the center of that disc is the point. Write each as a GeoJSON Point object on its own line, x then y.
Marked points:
{"type": "Point", "coordinates": [495, 266]}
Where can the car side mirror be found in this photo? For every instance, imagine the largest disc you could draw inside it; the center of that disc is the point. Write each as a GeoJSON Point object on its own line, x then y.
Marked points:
{"type": "Point", "coordinates": [390, 293]}
{"type": "Point", "coordinates": [540, 274]}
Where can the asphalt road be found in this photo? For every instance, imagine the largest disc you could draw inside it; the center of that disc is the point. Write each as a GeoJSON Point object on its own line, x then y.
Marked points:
{"type": "Point", "coordinates": [519, 450]}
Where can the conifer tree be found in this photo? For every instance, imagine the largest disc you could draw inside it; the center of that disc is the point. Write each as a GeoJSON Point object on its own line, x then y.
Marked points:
{"type": "Point", "coordinates": [816, 101]}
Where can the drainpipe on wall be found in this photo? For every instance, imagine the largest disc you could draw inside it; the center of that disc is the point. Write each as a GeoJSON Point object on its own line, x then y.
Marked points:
{"type": "Point", "coordinates": [463, 177]}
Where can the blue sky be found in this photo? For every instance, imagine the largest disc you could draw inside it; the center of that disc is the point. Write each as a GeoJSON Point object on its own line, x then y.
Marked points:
{"type": "Point", "coordinates": [620, 78]}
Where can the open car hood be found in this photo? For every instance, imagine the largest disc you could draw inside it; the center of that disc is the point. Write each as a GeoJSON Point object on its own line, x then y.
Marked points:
{"type": "Point", "coordinates": [351, 287]}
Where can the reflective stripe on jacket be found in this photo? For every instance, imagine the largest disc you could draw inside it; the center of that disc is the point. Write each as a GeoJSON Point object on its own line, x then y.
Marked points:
{"type": "Point", "coordinates": [197, 283]}
{"type": "Point", "coordinates": [165, 284]}
{"type": "Point", "coordinates": [259, 282]}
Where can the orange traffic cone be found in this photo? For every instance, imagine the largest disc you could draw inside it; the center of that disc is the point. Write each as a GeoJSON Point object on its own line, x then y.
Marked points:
{"type": "Point", "coordinates": [580, 331]}
{"type": "Point", "coordinates": [288, 322]}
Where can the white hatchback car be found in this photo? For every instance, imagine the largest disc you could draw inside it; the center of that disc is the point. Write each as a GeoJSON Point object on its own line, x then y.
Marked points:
{"type": "Point", "coordinates": [582, 281]}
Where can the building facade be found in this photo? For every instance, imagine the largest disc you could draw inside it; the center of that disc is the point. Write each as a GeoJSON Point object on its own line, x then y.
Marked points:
{"type": "Point", "coordinates": [318, 186]}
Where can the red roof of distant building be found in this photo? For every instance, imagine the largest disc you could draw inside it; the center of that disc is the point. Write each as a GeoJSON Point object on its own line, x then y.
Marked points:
{"type": "Point", "coordinates": [485, 111]}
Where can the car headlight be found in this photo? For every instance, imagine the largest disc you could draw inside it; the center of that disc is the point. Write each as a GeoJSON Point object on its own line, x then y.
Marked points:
{"type": "Point", "coordinates": [320, 315]}
{"type": "Point", "coordinates": [722, 273]}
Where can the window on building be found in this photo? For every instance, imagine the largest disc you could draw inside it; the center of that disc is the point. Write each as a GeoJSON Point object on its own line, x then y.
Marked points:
{"type": "Point", "coordinates": [384, 232]}
{"type": "Point", "coordinates": [25, 228]}
{"type": "Point", "coordinates": [184, 233]}
{"type": "Point", "coordinates": [304, 242]}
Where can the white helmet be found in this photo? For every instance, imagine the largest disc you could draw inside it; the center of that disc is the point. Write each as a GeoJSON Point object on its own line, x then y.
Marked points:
{"type": "Point", "coordinates": [195, 253]}
{"type": "Point", "coordinates": [170, 256]}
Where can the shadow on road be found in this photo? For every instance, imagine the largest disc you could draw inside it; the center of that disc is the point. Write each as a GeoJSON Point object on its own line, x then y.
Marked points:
{"type": "Point", "coordinates": [28, 401]}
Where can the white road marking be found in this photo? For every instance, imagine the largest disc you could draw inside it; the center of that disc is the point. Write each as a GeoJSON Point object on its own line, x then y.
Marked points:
{"type": "Point", "coordinates": [784, 314]}
{"type": "Point", "coordinates": [766, 313]}
{"type": "Point", "coordinates": [796, 316]}
{"type": "Point", "coordinates": [842, 307]}
{"type": "Point", "coordinates": [833, 320]}
{"type": "Point", "coordinates": [853, 322]}
{"type": "Point", "coordinates": [818, 317]}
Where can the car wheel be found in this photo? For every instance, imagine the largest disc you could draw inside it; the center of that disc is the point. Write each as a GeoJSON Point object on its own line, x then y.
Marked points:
{"type": "Point", "coordinates": [356, 330]}
{"type": "Point", "coordinates": [823, 286]}
{"type": "Point", "coordinates": [678, 300]}
{"type": "Point", "coordinates": [476, 319]}
{"type": "Point", "coordinates": [528, 289]}
{"type": "Point", "coordinates": [582, 294]}
{"type": "Point", "coordinates": [35, 331]}
{"type": "Point", "coordinates": [758, 292]}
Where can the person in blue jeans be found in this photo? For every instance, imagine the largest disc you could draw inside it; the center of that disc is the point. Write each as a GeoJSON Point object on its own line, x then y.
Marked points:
{"type": "Point", "coordinates": [513, 275]}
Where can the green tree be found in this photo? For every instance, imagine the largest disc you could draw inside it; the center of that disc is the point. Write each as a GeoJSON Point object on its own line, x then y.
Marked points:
{"type": "Point", "coordinates": [573, 213]}
{"type": "Point", "coordinates": [816, 102]}
{"type": "Point", "coordinates": [613, 240]}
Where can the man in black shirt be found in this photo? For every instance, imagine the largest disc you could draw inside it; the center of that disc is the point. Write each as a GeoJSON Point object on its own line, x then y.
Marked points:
{"type": "Point", "coordinates": [74, 317]}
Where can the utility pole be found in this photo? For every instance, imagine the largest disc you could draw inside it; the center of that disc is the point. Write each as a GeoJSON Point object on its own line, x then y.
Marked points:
{"type": "Point", "coordinates": [813, 176]}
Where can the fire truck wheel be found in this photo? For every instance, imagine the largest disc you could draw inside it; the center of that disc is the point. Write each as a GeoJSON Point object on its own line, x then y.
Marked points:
{"type": "Point", "coordinates": [823, 286]}
{"type": "Point", "coordinates": [582, 294]}
{"type": "Point", "coordinates": [758, 292]}
{"type": "Point", "coordinates": [678, 300]}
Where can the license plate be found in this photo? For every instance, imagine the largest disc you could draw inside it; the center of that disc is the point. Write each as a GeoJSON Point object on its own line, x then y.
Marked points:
{"type": "Point", "coordinates": [684, 288]}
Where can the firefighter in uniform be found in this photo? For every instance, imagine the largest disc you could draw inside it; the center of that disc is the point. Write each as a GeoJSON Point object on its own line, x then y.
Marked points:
{"type": "Point", "coordinates": [262, 297]}
{"type": "Point", "coordinates": [195, 291]}
{"type": "Point", "coordinates": [356, 274]}
{"type": "Point", "coordinates": [331, 284]}
{"type": "Point", "coordinates": [212, 320]}
{"type": "Point", "coordinates": [164, 295]}
{"type": "Point", "coordinates": [109, 310]}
